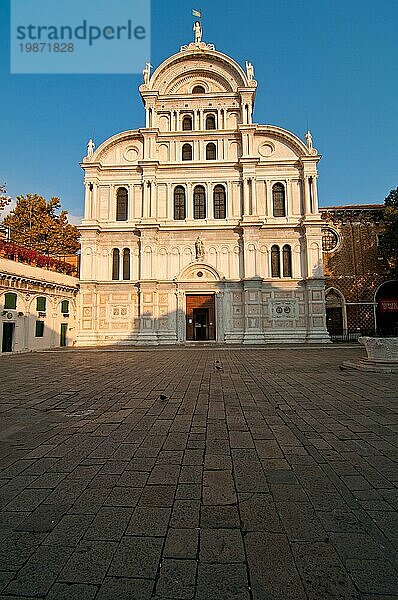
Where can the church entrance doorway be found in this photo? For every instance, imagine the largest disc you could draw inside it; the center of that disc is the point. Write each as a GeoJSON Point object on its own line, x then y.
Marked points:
{"type": "Point", "coordinates": [200, 314]}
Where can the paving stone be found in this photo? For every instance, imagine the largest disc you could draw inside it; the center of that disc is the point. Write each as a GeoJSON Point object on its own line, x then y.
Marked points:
{"type": "Point", "coordinates": [109, 524]}
{"type": "Point", "coordinates": [221, 546]}
{"type": "Point", "coordinates": [258, 513]}
{"type": "Point", "coordinates": [219, 517]}
{"type": "Point", "coordinates": [16, 548]}
{"type": "Point", "coordinates": [164, 474]}
{"type": "Point", "coordinates": [222, 581]}
{"type": "Point", "coordinates": [177, 579]}
{"type": "Point", "coordinates": [322, 571]}
{"type": "Point", "coordinates": [150, 521]}
{"type": "Point", "coordinates": [89, 563]}
{"type": "Point", "coordinates": [181, 543]}
{"type": "Point", "coordinates": [72, 591]}
{"type": "Point", "coordinates": [300, 521]}
{"type": "Point", "coordinates": [271, 562]}
{"type": "Point", "coordinates": [373, 576]}
{"type": "Point", "coordinates": [68, 531]}
{"type": "Point", "coordinates": [157, 495]}
{"type": "Point", "coordinates": [185, 514]}
{"type": "Point", "coordinates": [125, 588]}
{"type": "Point", "coordinates": [123, 496]}
{"type": "Point", "coordinates": [189, 491]}
{"type": "Point", "coordinates": [40, 572]}
{"type": "Point", "coordinates": [218, 488]}
{"type": "Point", "coordinates": [137, 556]}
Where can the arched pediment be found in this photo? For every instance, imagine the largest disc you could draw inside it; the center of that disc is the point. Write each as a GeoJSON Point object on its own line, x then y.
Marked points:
{"type": "Point", "coordinates": [123, 148]}
{"type": "Point", "coordinates": [180, 72]}
{"type": "Point", "coordinates": [269, 137]}
{"type": "Point", "coordinates": [199, 272]}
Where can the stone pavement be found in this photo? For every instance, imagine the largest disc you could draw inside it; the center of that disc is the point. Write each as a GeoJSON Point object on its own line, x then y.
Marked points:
{"type": "Point", "coordinates": [181, 473]}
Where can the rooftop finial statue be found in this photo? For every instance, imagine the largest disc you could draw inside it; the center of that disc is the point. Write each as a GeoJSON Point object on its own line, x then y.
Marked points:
{"type": "Point", "coordinates": [146, 73]}
{"type": "Point", "coordinates": [308, 139]}
{"type": "Point", "coordinates": [249, 71]}
{"type": "Point", "coordinates": [197, 28]}
{"type": "Point", "coordinates": [90, 147]}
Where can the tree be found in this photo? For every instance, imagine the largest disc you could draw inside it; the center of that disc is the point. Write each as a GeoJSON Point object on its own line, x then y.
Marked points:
{"type": "Point", "coordinates": [5, 199]}
{"type": "Point", "coordinates": [42, 226]}
{"type": "Point", "coordinates": [389, 241]}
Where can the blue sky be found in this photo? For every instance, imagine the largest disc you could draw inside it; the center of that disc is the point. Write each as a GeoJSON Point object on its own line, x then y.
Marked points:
{"type": "Point", "coordinates": [332, 64]}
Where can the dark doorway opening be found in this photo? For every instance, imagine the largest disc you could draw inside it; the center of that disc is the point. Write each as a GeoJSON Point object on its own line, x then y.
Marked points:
{"type": "Point", "coordinates": [64, 329]}
{"type": "Point", "coordinates": [387, 309]}
{"type": "Point", "coordinates": [201, 326]}
{"type": "Point", "coordinates": [8, 337]}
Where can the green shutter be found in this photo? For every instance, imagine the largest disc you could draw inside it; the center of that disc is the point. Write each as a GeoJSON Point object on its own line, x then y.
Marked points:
{"type": "Point", "coordinates": [41, 304]}
{"type": "Point", "coordinates": [10, 300]}
{"type": "Point", "coordinates": [64, 306]}
{"type": "Point", "coordinates": [39, 329]}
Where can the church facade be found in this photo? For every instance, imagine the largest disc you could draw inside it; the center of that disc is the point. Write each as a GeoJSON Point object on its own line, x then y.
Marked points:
{"type": "Point", "coordinates": [202, 225]}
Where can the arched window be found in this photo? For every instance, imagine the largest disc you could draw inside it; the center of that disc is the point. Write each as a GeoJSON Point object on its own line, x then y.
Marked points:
{"type": "Point", "coordinates": [179, 203]}
{"type": "Point", "coordinates": [65, 307]}
{"type": "Point", "coordinates": [187, 152]}
{"type": "Point", "coordinates": [278, 200]}
{"type": "Point", "coordinates": [199, 202]}
{"type": "Point", "coordinates": [210, 122]}
{"type": "Point", "coordinates": [187, 123]}
{"type": "Point", "coordinates": [287, 261]}
{"type": "Point", "coordinates": [121, 204]}
{"type": "Point", "coordinates": [219, 201]}
{"type": "Point", "coordinates": [211, 153]}
{"type": "Point", "coordinates": [10, 300]}
{"type": "Point", "coordinates": [115, 264]}
{"type": "Point", "coordinates": [275, 262]}
{"type": "Point", "coordinates": [198, 89]}
{"type": "Point", "coordinates": [126, 264]}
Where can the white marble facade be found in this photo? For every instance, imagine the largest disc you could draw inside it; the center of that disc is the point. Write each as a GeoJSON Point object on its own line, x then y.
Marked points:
{"type": "Point", "coordinates": [169, 219]}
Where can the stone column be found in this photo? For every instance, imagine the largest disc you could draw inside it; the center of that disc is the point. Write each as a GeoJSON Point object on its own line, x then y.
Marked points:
{"type": "Point", "coordinates": [220, 325]}
{"type": "Point", "coordinates": [210, 203]}
{"type": "Point", "coordinates": [189, 201]}
{"type": "Point", "coordinates": [268, 205]}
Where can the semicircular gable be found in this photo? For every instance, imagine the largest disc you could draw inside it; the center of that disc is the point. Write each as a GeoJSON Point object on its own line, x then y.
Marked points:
{"type": "Point", "coordinates": [217, 68]}
{"type": "Point", "coordinates": [271, 140]}
{"type": "Point", "coordinates": [123, 148]}
{"type": "Point", "coordinates": [199, 272]}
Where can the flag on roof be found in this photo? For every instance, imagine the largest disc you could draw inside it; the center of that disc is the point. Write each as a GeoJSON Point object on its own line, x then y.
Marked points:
{"type": "Point", "coordinates": [196, 13]}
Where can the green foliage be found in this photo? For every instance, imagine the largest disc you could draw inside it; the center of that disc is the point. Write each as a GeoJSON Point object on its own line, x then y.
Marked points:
{"type": "Point", "coordinates": [5, 199]}
{"type": "Point", "coordinates": [42, 226]}
{"type": "Point", "coordinates": [389, 242]}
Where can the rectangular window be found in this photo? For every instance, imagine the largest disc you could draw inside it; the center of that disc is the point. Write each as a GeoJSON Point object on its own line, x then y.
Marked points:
{"type": "Point", "coordinates": [64, 306]}
{"type": "Point", "coordinates": [10, 301]}
{"type": "Point", "coordinates": [39, 332]}
{"type": "Point", "coordinates": [41, 304]}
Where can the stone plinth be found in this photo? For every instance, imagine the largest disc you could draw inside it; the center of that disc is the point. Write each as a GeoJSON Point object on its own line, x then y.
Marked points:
{"type": "Point", "coordinates": [382, 355]}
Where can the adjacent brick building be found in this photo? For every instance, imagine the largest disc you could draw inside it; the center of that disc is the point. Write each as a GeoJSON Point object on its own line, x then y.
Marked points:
{"type": "Point", "coordinates": [361, 293]}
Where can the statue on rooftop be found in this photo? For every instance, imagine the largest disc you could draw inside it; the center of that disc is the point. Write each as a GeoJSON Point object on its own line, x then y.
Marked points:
{"type": "Point", "coordinates": [197, 28]}
{"type": "Point", "coordinates": [146, 73]}
{"type": "Point", "coordinates": [308, 139]}
{"type": "Point", "coordinates": [249, 71]}
{"type": "Point", "coordinates": [90, 147]}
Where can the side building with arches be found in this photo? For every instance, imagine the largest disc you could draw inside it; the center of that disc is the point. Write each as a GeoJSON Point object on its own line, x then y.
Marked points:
{"type": "Point", "coordinates": [361, 292]}
{"type": "Point", "coordinates": [203, 225]}
{"type": "Point", "coordinates": [38, 308]}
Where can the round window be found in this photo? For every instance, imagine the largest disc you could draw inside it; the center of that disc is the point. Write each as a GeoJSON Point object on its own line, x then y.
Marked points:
{"type": "Point", "coordinates": [330, 239]}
